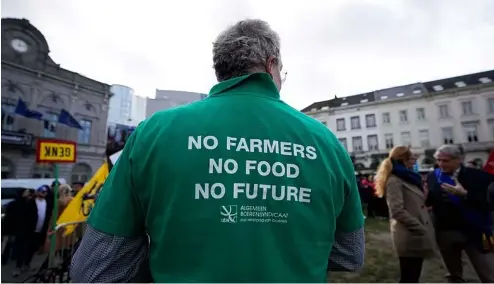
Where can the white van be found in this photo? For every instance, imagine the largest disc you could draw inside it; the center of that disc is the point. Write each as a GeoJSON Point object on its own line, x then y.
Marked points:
{"type": "Point", "coordinates": [11, 187]}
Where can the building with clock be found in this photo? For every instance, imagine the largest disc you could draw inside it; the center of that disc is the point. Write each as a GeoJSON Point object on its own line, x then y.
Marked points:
{"type": "Point", "coordinates": [29, 74]}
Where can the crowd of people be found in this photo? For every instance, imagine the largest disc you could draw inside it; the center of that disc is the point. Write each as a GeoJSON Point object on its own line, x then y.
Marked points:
{"type": "Point", "coordinates": [148, 216]}
{"type": "Point", "coordinates": [445, 212]}
{"type": "Point", "coordinates": [373, 206]}
{"type": "Point", "coordinates": [148, 224]}
{"type": "Point", "coordinates": [28, 221]}
{"type": "Point", "coordinates": [442, 212]}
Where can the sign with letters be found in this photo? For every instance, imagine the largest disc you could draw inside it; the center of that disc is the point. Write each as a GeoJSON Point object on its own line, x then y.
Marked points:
{"type": "Point", "coordinates": [55, 151]}
{"type": "Point", "coordinates": [17, 138]}
{"type": "Point", "coordinates": [245, 194]}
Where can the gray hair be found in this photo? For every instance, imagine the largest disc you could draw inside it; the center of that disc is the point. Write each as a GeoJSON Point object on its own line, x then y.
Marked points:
{"type": "Point", "coordinates": [243, 48]}
{"type": "Point", "coordinates": [450, 150]}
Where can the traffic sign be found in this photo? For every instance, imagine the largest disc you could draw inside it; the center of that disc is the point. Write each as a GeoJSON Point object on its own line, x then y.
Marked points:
{"type": "Point", "coordinates": [55, 151]}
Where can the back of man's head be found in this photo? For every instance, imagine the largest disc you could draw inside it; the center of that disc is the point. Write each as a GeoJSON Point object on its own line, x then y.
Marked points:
{"type": "Point", "coordinates": [245, 48]}
{"type": "Point", "coordinates": [54, 183]}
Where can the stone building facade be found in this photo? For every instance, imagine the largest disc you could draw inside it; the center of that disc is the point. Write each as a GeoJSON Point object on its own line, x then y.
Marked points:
{"type": "Point", "coordinates": [30, 74]}
{"type": "Point", "coordinates": [457, 110]}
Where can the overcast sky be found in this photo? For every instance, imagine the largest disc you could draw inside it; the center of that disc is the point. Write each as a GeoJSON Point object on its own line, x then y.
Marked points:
{"type": "Point", "coordinates": [336, 47]}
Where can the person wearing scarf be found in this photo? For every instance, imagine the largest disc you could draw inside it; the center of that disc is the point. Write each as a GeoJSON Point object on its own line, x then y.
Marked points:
{"type": "Point", "coordinates": [463, 221]}
{"type": "Point", "coordinates": [411, 227]}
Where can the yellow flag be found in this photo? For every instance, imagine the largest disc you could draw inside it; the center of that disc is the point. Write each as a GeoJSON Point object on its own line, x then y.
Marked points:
{"type": "Point", "coordinates": [79, 208]}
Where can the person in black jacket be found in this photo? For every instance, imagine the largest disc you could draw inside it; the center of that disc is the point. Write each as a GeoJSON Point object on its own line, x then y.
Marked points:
{"type": "Point", "coordinates": [458, 196]}
{"type": "Point", "coordinates": [44, 207]}
{"type": "Point", "coordinates": [20, 222]}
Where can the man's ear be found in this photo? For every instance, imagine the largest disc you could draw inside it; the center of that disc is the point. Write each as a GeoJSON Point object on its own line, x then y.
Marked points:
{"type": "Point", "coordinates": [270, 64]}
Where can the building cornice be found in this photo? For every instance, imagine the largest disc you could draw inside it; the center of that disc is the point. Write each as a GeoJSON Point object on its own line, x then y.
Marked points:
{"type": "Point", "coordinates": [427, 96]}
{"type": "Point", "coordinates": [74, 84]}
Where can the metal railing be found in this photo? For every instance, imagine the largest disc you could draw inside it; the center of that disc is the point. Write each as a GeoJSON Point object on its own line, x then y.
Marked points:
{"type": "Point", "coordinates": [56, 267]}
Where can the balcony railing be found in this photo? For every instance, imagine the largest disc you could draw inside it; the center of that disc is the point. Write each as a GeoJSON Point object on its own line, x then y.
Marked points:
{"type": "Point", "coordinates": [478, 146]}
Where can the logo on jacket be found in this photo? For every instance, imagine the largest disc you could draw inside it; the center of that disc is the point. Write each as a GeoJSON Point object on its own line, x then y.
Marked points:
{"type": "Point", "coordinates": [229, 213]}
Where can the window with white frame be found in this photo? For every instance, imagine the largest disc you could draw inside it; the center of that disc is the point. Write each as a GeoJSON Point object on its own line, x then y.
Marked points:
{"type": "Point", "coordinates": [370, 120]}
{"type": "Point", "coordinates": [340, 124]}
{"type": "Point", "coordinates": [421, 113]}
{"type": "Point", "coordinates": [357, 144]}
{"type": "Point", "coordinates": [406, 138]}
{"type": "Point", "coordinates": [343, 143]}
{"type": "Point", "coordinates": [386, 118]}
{"type": "Point", "coordinates": [467, 107]}
{"type": "Point", "coordinates": [403, 116]}
{"type": "Point", "coordinates": [490, 105]}
{"type": "Point", "coordinates": [85, 133]}
{"type": "Point", "coordinates": [388, 139]}
{"type": "Point", "coordinates": [355, 121]}
{"type": "Point", "coordinates": [424, 138]}
{"type": "Point", "coordinates": [8, 117]}
{"type": "Point", "coordinates": [50, 125]}
{"type": "Point", "coordinates": [372, 143]}
{"type": "Point", "coordinates": [490, 122]}
{"type": "Point", "coordinates": [447, 133]}
{"type": "Point", "coordinates": [443, 111]}
{"type": "Point", "coordinates": [471, 132]}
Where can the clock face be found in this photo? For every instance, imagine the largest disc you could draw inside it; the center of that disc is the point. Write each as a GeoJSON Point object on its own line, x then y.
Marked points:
{"type": "Point", "coordinates": [19, 45]}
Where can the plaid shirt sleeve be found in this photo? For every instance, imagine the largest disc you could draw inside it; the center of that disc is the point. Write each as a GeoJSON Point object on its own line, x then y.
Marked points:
{"type": "Point", "coordinates": [103, 258]}
{"type": "Point", "coordinates": [348, 251]}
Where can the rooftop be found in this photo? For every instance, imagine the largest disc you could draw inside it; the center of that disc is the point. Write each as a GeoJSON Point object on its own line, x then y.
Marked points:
{"type": "Point", "coordinates": [416, 89]}
{"type": "Point", "coordinates": [341, 102]}
{"type": "Point", "coordinates": [459, 81]}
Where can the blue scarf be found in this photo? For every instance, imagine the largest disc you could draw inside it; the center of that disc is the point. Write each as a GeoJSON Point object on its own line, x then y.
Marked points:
{"type": "Point", "coordinates": [479, 225]}
{"type": "Point", "coordinates": [407, 175]}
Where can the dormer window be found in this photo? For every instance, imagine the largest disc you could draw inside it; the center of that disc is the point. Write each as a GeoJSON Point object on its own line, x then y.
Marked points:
{"type": "Point", "coordinates": [438, 88]}
{"type": "Point", "coordinates": [485, 80]}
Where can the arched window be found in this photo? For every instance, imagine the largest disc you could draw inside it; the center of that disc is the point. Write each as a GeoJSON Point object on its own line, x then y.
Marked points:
{"type": "Point", "coordinates": [81, 173]}
{"type": "Point", "coordinates": [7, 168]}
{"type": "Point", "coordinates": [43, 171]}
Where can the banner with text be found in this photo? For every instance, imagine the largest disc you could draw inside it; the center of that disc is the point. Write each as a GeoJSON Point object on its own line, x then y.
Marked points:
{"type": "Point", "coordinates": [230, 213]}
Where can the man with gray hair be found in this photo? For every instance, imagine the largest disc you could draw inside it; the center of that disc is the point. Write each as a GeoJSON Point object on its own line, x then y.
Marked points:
{"type": "Point", "coordinates": [238, 187]}
{"type": "Point", "coordinates": [463, 220]}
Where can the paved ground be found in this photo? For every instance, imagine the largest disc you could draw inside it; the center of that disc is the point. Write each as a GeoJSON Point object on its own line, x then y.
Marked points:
{"type": "Point", "coordinates": [8, 269]}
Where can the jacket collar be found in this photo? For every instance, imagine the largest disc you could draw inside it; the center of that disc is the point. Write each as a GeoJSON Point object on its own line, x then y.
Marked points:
{"type": "Point", "coordinates": [259, 84]}
{"type": "Point", "coordinates": [414, 189]}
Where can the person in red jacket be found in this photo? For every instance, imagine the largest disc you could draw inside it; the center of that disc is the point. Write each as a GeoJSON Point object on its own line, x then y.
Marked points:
{"type": "Point", "coordinates": [369, 187]}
